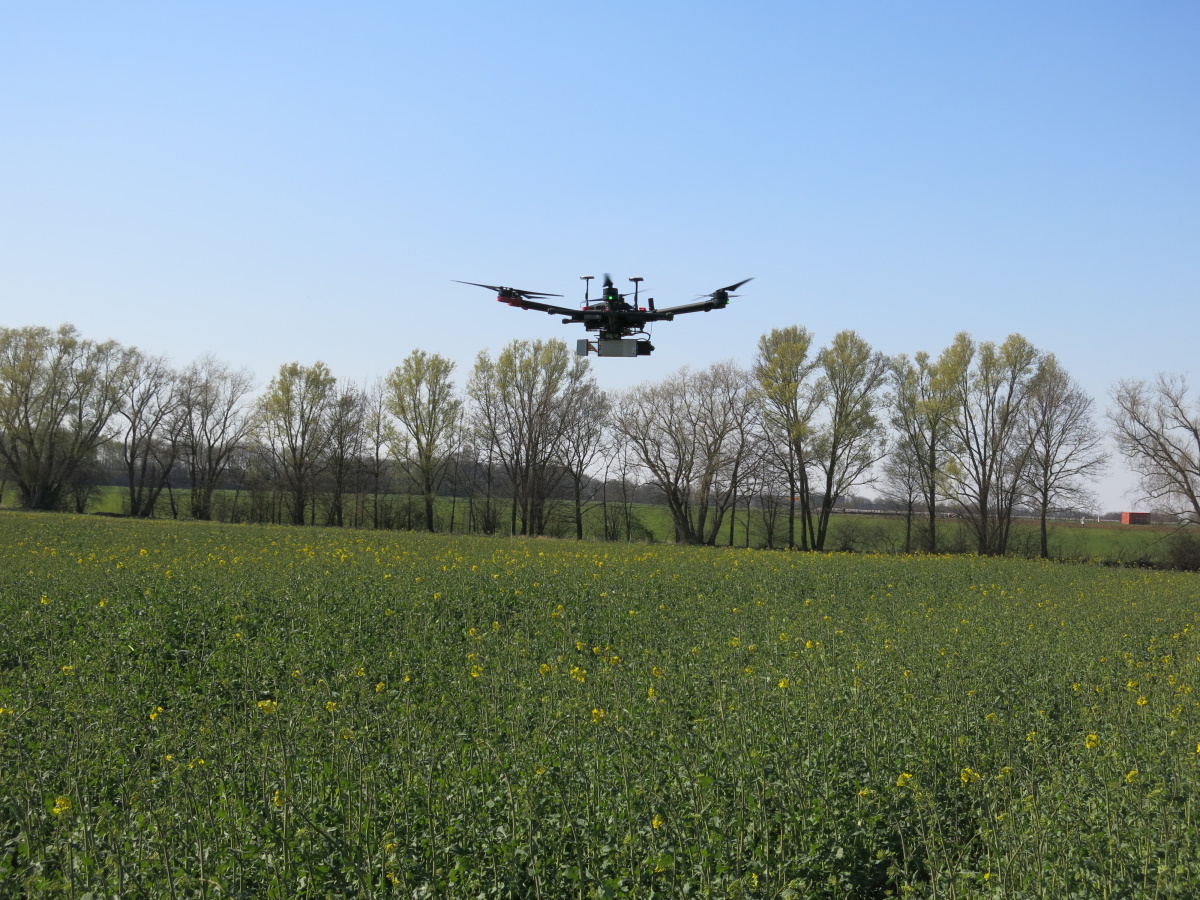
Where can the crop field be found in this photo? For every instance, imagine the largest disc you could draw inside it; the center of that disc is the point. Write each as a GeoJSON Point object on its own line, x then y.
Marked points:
{"type": "Point", "coordinates": [881, 533]}
{"type": "Point", "coordinates": [192, 710]}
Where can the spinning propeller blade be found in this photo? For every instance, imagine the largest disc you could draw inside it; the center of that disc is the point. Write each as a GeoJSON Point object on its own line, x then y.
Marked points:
{"type": "Point", "coordinates": [725, 290]}
{"type": "Point", "coordinates": [500, 289]}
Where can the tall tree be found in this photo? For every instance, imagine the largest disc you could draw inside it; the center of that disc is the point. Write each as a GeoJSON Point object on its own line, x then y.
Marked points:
{"type": "Point", "coordinates": [1157, 429]}
{"type": "Point", "coordinates": [924, 405]}
{"type": "Point", "coordinates": [420, 394]}
{"type": "Point", "coordinates": [992, 387]}
{"type": "Point", "coordinates": [852, 439]}
{"type": "Point", "coordinates": [379, 433]}
{"type": "Point", "coordinates": [521, 403]}
{"type": "Point", "coordinates": [692, 434]}
{"type": "Point", "coordinates": [1065, 447]}
{"type": "Point", "coordinates": [292, 429]}
{"type": "Point", "coordinates": [583, 440]}
{"type": "Point", "coordinates": [58, 393]}
{"type": "Point", "coordinates": [213, 411]}
{"type": "Point", "coordinates": [789, 395]}
{"type": "Point", "coordinates": [347, 436]}
{"type": "Point", "coordinates": [149, 440]}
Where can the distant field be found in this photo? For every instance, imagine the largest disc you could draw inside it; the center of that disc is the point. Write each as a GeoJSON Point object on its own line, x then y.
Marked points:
{"type": "Point", "coordinates": [1108, 541]}
{"type": "Point", "coordinates": [192, 709]}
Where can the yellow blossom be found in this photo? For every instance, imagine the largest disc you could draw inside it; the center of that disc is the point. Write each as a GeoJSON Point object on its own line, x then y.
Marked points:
{"type": "Point", "coordinates": [904, 779]}
{"type": "Point", "coordinates": [1091, 741]}
{"type": "Point", "coordinates": [267, 706]}
{"type": "Point", "coordinates": [657, 822]}
{"type": "Point", "coordinates": [330, 706]}
{"type": "Point", "coordinates": [61, 805]}
{"type": "Point", "coordinates": [154, 713]}
{"type": "Point", "coordinates": [968, 775]}
{"type": "Point", "coordinates": [784, 682]}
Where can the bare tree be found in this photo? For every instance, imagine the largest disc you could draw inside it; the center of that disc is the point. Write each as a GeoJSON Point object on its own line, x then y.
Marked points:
{"type": "Point", "coordinates": [149, 441]}
{"type": "Point", "coordinates": [1157, 429]}
{"type": "Point", "coordinates": [992, 387]}
{"type": "Point", "coordinates": [346, 437]}
{"type": "Point", "coordinates": [291, 426]}
{"type": "Point", "coordinates": [789, 395]}
{"type": "Point", "coordinates": [853, 439]}
{"type": "Point", "coordinates": [1065, 447]}
{"type": "Point", "coordinates": [58, 393]}
{"type": "Point", "coordinates": [213, 420]}
{"type": "Point", "coordinates": [583, 439]}
{"type": "Point", "coordinates": [692, 433]}
{"type": "Point", "coordinates": [420, 394]}
{"type": "Point", "coordinates": [378, 435]}
{"type": "Point", "coordinates": [904, 483]}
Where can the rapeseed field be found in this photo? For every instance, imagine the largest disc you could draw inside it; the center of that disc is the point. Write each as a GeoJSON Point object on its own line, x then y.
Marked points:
{"type": "Point", "coordinates": [193, 710]}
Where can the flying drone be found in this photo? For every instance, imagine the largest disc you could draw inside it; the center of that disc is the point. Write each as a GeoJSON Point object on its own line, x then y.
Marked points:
{"type": "Point", "coordinates": [620, 324]}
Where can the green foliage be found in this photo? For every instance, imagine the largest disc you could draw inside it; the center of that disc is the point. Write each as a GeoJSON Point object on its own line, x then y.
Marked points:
{"type": "Point", "coordinates": [205, 710]}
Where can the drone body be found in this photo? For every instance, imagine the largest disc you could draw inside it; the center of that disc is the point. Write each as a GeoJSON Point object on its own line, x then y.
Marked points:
{"type": "Point", "coordinates": [620, 325]}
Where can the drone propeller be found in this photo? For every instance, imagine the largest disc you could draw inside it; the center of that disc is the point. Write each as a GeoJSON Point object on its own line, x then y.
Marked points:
{"type": "Point", "coordinates": [725, 290]}
{"type": "Point", "coordinates": [500, 289]}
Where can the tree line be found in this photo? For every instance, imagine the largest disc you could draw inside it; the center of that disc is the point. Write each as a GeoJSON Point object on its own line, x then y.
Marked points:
{"type": "Point", "coordinates": [531, 441]}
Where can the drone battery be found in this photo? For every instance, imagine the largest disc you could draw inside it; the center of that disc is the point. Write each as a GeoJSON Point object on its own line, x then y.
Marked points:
{"type": "Point", "coordinates": [617, 348]}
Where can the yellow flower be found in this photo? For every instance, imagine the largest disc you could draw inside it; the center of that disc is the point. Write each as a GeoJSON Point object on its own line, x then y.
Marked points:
{"type": "Point", "coordinates": [61, 805]}
{"type": "Point", "coordinates": [784, 682]}
{"type": "Point", "coordinates": [651, 693]}
{"type": "Point", "coordinates": [904, 779]}
{"type": "Point", "coordinates": [68, 670]}
{"type": "Point", "coordinates": [476, 671]}
{"type": "Point", "coordinates": [45, 601]}
{"type": "Point", "coordinates": [267, 706]}
{"type": "Point", "coordinates": [1131, 775]}
{"type": "Point", "coordinates": [657, 822]}
{"type": "Point", "coordinates": [360, 672]}
{"type": "Point", "coordinates": [656, 672]}
{"type": "Point", "coordinates": [1091, 741]}
{"type": "Point", "coordinates": [544, 669]}
{"type": "Point", "coordinates": [154, 714]}
{"type": "Point", "coordinates": [278, 798]}
{"type": "Point", "coordinates": [597, 715]}
{"type": "Point", "coordinates": [1142, 701]}
{"type": "Point", "coordinates": [968, 775]}
{"type": "Point", "coordinates": [380, 686]}
{"type": "Point", "coordinates": [330, 706]}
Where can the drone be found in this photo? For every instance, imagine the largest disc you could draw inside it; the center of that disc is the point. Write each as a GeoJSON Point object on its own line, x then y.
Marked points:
{"type": "Point", "coordinates": [619, 323]}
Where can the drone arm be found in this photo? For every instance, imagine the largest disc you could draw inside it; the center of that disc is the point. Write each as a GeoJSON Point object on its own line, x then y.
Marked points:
{"type": "Point", "coordinates": [702, 306]}
{"type": "Point", "coordinates": [522, 303]}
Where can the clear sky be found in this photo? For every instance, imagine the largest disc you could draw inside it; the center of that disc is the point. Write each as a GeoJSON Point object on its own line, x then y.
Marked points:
{"type": "Point", "coordinates": [299, 181]}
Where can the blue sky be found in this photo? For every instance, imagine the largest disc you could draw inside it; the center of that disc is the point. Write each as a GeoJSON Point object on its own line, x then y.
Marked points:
{"type": "Point", "coordinates": [274, 182]}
